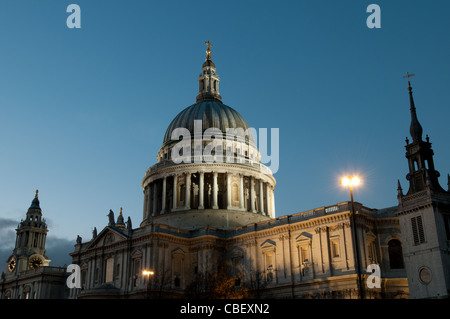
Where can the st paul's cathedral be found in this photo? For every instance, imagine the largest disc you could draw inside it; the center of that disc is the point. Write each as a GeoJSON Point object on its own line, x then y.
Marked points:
{"type": "Point", "coordinates": [202, 216]}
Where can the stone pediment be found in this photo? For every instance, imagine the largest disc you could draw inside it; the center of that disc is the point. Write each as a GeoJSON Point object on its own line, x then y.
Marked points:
{"type": "Point", "coordinates": [303, 237]}
{"type": "Point", "coordinates": [268, 243]}
{"type": "Point", "coordinates": [178, 251]}
{"type": "Point", "coordinates": [107, 237]}
{"type": "Point", "coordinates": [237, 252]}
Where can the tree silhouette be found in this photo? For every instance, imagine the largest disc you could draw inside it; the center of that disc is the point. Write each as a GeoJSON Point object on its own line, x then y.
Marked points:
{"type": "Point", "coordinates": [217, 285]}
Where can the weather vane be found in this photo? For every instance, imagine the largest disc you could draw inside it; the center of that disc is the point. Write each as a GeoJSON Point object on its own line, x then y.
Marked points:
{"type": "Point", "coordinates": [407, 76]}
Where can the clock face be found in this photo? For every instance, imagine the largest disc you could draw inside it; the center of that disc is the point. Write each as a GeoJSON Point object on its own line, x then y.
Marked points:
{"type": "Point", "coordinates": [12, 264]}
{"type": "Point", "coordinates": [35, 262]}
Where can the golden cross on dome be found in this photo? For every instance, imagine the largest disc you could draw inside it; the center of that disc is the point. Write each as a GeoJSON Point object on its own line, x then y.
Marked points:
{"type": "Point", "coordinates": [36, 196]}
{"type": "Point", "coordinates": [208, 52]}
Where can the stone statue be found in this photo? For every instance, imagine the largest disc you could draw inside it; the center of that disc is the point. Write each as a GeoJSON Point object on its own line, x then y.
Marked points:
{"type": "Point", "coordinates": [79, 239]}
{"type": "Point", "coordinates": [129, 226]}
{"type": "Point", "coordinates": [94, 232]}
{"type": "Point", "coordinates": [111, 218]}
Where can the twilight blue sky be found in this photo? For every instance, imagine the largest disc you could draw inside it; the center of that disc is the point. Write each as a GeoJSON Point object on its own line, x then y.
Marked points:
{"type": "Point", "coordinates": [83, 112]}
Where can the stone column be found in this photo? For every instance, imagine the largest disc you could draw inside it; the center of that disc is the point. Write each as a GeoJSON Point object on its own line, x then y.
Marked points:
{"type": "Point", "coordinates": [268, 202]}
{"type": "Point", "coordinates": [241, 192]}
{"type": "Point", "coordinates": [252, 194]}
{"type": "Point", "coordinates": [155, 198]}
{"type": "Point", "coordinates": [163, 204]}
{"type": "Point", "coordinates": [144, 214]}
{"type": "Point", "coordinates": [215, 191]}
{"type": "Point", "coordinates": [187, 200]}
{"type": "Point", "coordinates": [273, 203]}
{"type": "Point", "coordinates": [261, 196]}
{"type": "Point", "coordinates": [201, 191]}
{"type": "Point", "coordinates": [174, 199]}
{"type": "Point", "coordinates": [228, 191]}
{"type": "Point", "coordinates": [149, 201]}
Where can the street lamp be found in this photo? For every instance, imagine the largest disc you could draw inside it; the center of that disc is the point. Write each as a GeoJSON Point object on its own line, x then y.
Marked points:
{"type": "Point", "coordinates": [350, 182]}
{"type": "Point", "coordinates": [148, 273]}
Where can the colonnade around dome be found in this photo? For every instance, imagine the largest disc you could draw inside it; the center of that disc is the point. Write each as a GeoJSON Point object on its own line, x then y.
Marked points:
{"type": "Point", "coordinates": [206, 187]}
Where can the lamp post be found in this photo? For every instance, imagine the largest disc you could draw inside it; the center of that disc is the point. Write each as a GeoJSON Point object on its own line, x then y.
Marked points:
{"type": "Point", "coordinates": [350, 182]}
{"type": "Point", "coordinates": [148, 273]}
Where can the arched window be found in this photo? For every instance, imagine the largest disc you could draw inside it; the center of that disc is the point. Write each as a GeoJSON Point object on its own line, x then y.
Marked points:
{"type": "Point", "coordinates": [182, 192]}
{"type": "Point", "coordinates": [235, 195]}
{"type": "Point", "coordinates": [395, 254]}
{"type": "Point", "coordinates": [176, 282]}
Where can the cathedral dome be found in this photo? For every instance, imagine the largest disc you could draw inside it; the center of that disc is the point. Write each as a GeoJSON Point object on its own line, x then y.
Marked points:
{"type": "Point", "coordinates": [208, 172]}
{"type": "Point", "coordinates": [213, 114]}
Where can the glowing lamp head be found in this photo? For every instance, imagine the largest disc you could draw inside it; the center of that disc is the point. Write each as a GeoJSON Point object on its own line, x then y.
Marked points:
{"type": "Point", "coordinates": [147, 272]}
{"type": "Point", "coordinates": [350, 181]}
{"type": "Point", "coordinates": [345, 181]}
{"type": "Point", "coordinates": [355, 181]}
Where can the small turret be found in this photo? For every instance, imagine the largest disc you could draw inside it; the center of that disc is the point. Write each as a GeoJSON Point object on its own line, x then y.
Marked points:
{"type": "Point", "coordinates": [120, 221]}
{"type": "Point", "coordinates": [208, 80]}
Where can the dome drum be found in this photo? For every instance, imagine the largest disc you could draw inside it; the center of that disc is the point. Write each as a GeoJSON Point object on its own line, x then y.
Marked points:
{"type": "Point", "coordinates": [197, 188]}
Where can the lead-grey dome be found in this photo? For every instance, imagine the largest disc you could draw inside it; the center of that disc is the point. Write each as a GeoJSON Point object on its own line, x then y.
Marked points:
{"type": "Point", "coordinates": [212, 114]}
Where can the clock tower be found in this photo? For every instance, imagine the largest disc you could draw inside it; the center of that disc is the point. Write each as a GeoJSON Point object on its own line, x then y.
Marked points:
{"type": "Point", "coordinates": [29, 252]}
{"type": "Point", "coordinates": [424, 217]}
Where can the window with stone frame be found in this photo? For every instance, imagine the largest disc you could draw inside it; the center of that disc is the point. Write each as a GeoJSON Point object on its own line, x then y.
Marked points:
{"type": "Point", "coordinates": [136, 270]}
{"type": "Point", "coordinates": [117, 272]}
{"type": "Point", "coordinates": [269, 260]}
{"type": "Point", "coordinates": [303, 251]}
{"type": "Point", "coordinates": [371, 248]}
{"type": "Point", "coordinates": [109, 270]}
{"type": "Point", "coordinates": [96, 275]}
{"type": "Point", "coordinates": [395, 254]}
{"type": "Point", "coordinates": [177, 267]}
{"type": "Point", "coordinates": [335, 249]}
{"type": "Point", "coordinates": [371, 251]}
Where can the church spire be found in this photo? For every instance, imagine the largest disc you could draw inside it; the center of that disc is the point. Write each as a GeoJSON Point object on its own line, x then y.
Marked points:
{"type": "Point", "coordinates": [208, 80]}
{"type": "Point", "coordinates": [422, 174]}
{"type": "Point", "coordinates": [415, 128]}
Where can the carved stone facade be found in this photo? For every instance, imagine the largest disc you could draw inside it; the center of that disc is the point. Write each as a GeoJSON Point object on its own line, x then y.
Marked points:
{"type": "Point", "coordinates": [305, 255]}
{"type": "Point", "coordinates": [29, 274]}
{"type": "Point", "coordinates": [200, 216]}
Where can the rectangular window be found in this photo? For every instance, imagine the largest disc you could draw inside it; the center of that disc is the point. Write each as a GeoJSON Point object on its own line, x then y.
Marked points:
{"type": "Point", "coordinates": [335, 248]}
{"type": "Point", "coordinates": [109, 270]}
{"type": "Point", "coordinates": [304, 258]}
{"type": "Point", "coordinates": [417, 230]}
{"type": "Point", "coordinates": [137, 271]}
